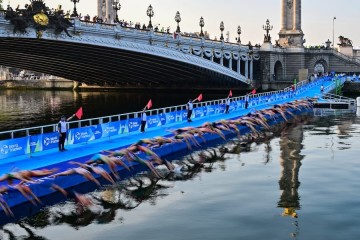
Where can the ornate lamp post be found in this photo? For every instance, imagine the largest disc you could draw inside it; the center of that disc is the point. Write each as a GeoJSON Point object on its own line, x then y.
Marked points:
{"type": "Point", "coordinates": [222, 28]}
{"type": "Point", "coordinates": [267, 28]}
{"type": "Point", "coordinates": [178, 20]}
{"type": "Point", "coordinates": [150, 14]}
{"type": "Point", "coordinates": [202, 24]}
{"type": "Point", "coordinates": [116, 6]}
{"type": "Point", "coordinates": [75, 14]}
{"type": "Point", "coordinates": [239, 32]}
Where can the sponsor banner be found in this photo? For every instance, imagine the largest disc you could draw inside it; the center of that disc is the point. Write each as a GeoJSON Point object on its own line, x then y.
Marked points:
{"type": "Point", "coordinates": [153, 121]}
{"type": "Point", "coordinates": [198, 112]}
{"type": "Point", "coordinates": [35, 144]}
{"type": "Point", "coordinates": [97, 132]}
{"type": "Point", "coordinates": [112, 128]}
{"type": "Point", "coordinates": [170, 117]}
{"type": "Point", "coordinates": [80, 135]}
{"type": "Point", "coordinates": [217, 109]}
{"type": "Point", "coordinates": [233, 106]}
{"type": "Point", "coordinates": [221, 108]}
{"type": "Point", "coordinates": [123, 127]}
{"type": "Point", "coordinates": [163, 118]}
{"type": "Point", "coordinates": [204, 109]}
{"type": "Point", "coordinates": [50, 140]}
{"type": "Point", "coordinates": [181, 115]}
{"type": "Point", "coordinates": [134, 124]}
{"type": "Point", "coordinates": [13, 147]}
{"type": "Point", "coordinates": [211, 110]}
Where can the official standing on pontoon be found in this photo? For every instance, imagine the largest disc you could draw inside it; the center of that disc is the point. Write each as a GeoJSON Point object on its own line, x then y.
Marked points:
{"type": "Point", "coordinates": [227, 103]}
{"type": "Point", "coordinates": [143, 120]}
{"type": "Point", "coordinates": [62, 129]}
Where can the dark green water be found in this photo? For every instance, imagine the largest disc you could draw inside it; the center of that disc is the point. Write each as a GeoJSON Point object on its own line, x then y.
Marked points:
{"type": "Point", "coordinates": [309, 171]}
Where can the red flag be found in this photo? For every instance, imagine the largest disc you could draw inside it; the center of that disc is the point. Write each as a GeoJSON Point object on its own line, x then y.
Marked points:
{"type": "Point", "coordinates": [149, 104]}
{"type": "Point", "coordinates": [200, 97]}
{"type": "Point", "coordinates": [230, 93]}
{"type": "Point", "coordinates": [79, 113]}
{"type": "Point", "coordinates": [253, 91]}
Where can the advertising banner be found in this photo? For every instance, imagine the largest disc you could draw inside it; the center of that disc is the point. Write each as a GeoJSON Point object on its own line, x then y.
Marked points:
{"type": "Point", "coordinates": [134, 124]}
{"type": "Point", "coordinates": [80, 135]}
{"type": "Point", "coordinates": [97, 132]}
{"type": "Point", "coordinates": [112, 128]}
{"type": "Point", "coordinates": [153, 121]}
{"type": "Point", "coordinates": [170, 117]}
{"type": "Point", "coordinates": [198, 112]}
{"type": "Point", "coordinates": [162, 117]}
{"type": "Point", "coordinates": [34, 144]}
{"type": "Point", "coordinates": [123, 127]}
{"type": "Point", "coordinates": [13, 147]}
{"type": "Point", "coordinates": [210, 110]}
{"type": "Point", "coordinates": [204, 109]}
{"type": "Point", "coordinates": [50, 140]}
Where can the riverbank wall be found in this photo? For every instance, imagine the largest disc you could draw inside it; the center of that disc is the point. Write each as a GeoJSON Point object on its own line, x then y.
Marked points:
{"type": "Point", "coordinates": [67, 85]}
{"type": "Point", "coordinates": [37, 84]}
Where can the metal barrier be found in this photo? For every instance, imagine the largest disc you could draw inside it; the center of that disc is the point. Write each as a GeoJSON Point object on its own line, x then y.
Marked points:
{"type": "Point", "coordinates": [254, 100]}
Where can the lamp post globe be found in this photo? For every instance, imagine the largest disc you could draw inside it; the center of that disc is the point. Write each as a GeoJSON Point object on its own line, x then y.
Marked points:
{"type": "Point", "coordinates": [267, 27]}
{"type": "Point", "coordinates": [75, 14]}
{"type": "Point", "coordinates": [222, 28]}
{"type": "Point", "coordinates": [177, 20]}
{"type": "Point", "coordinates": [239, 33]}
{"type": "Point", "coordinates": [150, 14]}
{"type": "Point", "coordinates": [116, 6]}
{"type": "Point", "coordinates": [202, 24]}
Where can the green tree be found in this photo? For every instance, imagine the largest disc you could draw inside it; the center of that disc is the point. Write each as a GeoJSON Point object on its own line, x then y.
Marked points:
{"type": "Point", "coordinates": [1, 8]}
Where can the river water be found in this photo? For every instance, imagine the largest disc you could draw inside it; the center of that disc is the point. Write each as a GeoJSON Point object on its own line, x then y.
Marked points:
{"type": "Point", "coordinates": [302, 183]}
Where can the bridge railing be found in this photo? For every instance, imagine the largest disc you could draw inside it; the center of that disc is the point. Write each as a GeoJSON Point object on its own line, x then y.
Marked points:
{"type": "Point", "coordinates": [181, 37]}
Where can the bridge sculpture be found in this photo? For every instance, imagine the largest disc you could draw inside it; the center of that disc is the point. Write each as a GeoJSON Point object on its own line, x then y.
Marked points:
{"type": "Point", "coordinates": [110, 54]}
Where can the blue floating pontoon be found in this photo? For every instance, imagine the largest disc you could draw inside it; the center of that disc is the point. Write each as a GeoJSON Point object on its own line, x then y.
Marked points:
{"type": "Point", "coordinates": [82, 152]}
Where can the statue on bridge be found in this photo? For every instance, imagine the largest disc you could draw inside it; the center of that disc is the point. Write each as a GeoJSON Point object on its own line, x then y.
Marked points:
{"type": "Point", "coordinates": [344, 42]}
{"type": "Point", "coordinates": [38, 15]}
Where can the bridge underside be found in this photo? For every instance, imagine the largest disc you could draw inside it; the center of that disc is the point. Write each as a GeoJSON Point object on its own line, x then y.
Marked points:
{"type": "Point", "coordinates": [106, 66]}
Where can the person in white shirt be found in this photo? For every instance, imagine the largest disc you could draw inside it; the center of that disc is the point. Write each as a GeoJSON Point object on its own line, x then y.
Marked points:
{"type": "Point", "coordinates": [143, 120]}
{"type": "Point", "coordinates": [246, 101]}
{"type": "Point", "coordinates": [227, 103]}
{"type": "Point", "coordinates": [62, 129]}
{"type": "Point", "coordinates": [322, 88]}
{"type": "Point", "coordinates": [189, 108]}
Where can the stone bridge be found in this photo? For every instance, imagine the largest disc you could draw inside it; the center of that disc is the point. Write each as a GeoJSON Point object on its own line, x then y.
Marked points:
{"type": "Point", "coordinates": [112, 55]}
{"type": "Point", "coordinates": [283, 64]}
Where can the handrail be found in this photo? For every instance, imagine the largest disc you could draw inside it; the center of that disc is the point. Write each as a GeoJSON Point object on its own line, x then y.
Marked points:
{"type": "Point", "coordinates": [254, 99]}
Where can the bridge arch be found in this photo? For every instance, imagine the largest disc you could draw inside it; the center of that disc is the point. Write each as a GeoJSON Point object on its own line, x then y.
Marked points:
{"type": "Point", "coordinates": [278, 70]}
{"type": "Point", "coordinates": [108, 55]}
{"type": "Point", "coordinates": [319, 64]}
{"type": "Point", "coordinates": [320, 67]}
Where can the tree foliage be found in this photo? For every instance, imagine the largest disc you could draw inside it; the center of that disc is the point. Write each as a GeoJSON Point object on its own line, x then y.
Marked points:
{"type": "Point", "coordinates": [1, 7]}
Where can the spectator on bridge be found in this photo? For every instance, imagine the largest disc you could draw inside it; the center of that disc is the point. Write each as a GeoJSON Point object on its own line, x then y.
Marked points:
{"type": "Point", "coordinates": [87, 18]}
{"type": "Point", "coordinates": [227, 104]}
{"type": "Point", "coordinates": [143, 120]}
{"type": "Point", "coordinates": [62, 129]}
